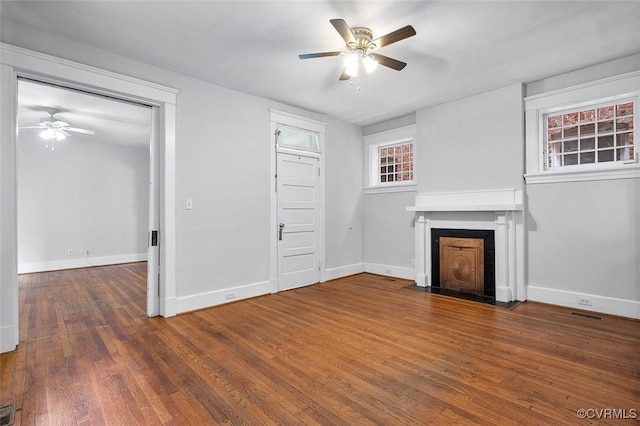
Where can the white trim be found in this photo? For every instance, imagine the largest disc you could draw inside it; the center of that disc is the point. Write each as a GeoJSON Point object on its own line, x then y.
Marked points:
{"type": "Point", "coordinates": [405, 134]}
{"type": "Point", "coordinates": [75, 75]}
{"type": "Point", "coordinates": [484, 200]}
{"type": "Point", "coordinates": [574, 95]}
{"type": "Point", "coordinates": [220, 297]}
{"type": "Point", "coordinates": [390, 271]}
{"type": "Point", "coordinates": [605, 90]}
{"type": "Point", "coordinates": [630, 172]}
{"type": "Point", "coordinates": [397, 187]}
{"type": "Point", "coordinates": [56, 265]}
{"type": "Point", "coordinates": [279, 117]}
{"type": "Point", "coordinates": [603, 304]}
{"type": "Point", "coordinates": [499, 210]}
{"type": "Point", "coordinates": [344, 271]}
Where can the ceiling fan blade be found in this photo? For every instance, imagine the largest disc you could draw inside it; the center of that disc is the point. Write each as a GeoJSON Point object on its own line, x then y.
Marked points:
{"type": "Point", "coordinates": [388, 62]}
{"type": "Point", "coordinates": [85, 131]}
{"type": "Point", "coordinates": [319, 55]}
{"type": "Point", "coordinates": [344, 76]}
{"type": "Point", "coordinates": [64, 132]}
{"type": "Point", "coordinates": [343, 29]}
{"type": "Point", "coordinates": [32, 127]}
{"type": "Point", "coordinates": [397, 35]}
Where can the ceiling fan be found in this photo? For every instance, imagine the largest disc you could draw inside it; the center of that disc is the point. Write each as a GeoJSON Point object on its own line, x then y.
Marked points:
{"type": "Point", "coordinates": [360, 46]}
{"type": "Point", "coordinates": [54, 129]}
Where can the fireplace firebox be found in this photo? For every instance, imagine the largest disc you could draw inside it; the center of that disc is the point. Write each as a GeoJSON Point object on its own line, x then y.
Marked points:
{"type": "Point", "coordinates": [463, 260]}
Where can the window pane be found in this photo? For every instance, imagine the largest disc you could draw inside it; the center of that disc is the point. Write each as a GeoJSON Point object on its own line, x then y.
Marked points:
{"type": "Point", "coordinates": [624, 109]}
{"type": "Point", "coordinates": [605, 112]}
{"type": "Point", "coordinates": [624, 124]}
{"type": "Point", "coordinates": [623, 154]}
{"type": "Point", "coordinates": [587, 157]}
{"type": "Point", "coordinates": [570, 119]}
{"type": "Point", "coordinates": [555, 134]}
{"type": "Point", "coordinates": [587, 130]}
{"type": "Point", "coordinates": [587, 116]}
{"type": "Point", "coordinates": [605, 141]}
{"type": "Point", "coordinates": [605, 126]}
{"type": "Point", "coordinates": [586, 144]}
{"type": "Point", "coordinates": [571, 132]}
{"type": "Point", "coordinates": [570, 159]}
{"type": "Point", "coordinates": [554, 122]}
{"type": "Point", "coordinates": [571, 146]}
{"type": "Point", "coordinates": [604, 156]}
{"type": "Point", "coordinates": [624, 139]}
{"type": "Point", "coordinates": [298, 139]}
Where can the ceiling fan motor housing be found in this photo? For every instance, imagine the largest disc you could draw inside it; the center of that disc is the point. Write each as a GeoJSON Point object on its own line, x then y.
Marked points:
{"type": "Point", "coordinates": [363, 36]}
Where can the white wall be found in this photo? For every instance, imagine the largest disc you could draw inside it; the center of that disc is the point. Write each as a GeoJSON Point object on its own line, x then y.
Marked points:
{"type": "Point", "coordinates": [584, 237]}
{"type": "Point", "coordinates": [473, 143]}
{"type": "Point", "coordinates": [83, 196]}
{"type": "Point", "coordinates": [388, 227]}
{"type": "Point", "coordinates": [223, 149]}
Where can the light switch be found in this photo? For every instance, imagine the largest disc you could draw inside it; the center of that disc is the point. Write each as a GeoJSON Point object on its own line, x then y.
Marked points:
{"type": "Point", "coordinates": [189, 204]}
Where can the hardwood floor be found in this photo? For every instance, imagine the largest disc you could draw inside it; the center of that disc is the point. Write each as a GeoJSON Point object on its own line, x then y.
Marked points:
{"type": "Point", "coordinates": [358, 350]}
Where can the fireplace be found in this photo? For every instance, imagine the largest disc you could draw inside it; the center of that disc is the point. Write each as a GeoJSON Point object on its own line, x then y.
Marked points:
{"type": "Point", "coordinates": [463, 260]}
{"type": "Point", "coordinates": [496, 217]}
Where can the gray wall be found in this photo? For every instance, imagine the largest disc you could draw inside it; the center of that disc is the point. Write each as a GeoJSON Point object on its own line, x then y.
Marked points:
{"type": "Point", "coordinates": [473, 143]}
{"type": "Point", "coordinates": [83, 196]}
{"type": "Point", "coordinates": [584, 237]}
{"type": "Point", "coordinates": [223, 150]}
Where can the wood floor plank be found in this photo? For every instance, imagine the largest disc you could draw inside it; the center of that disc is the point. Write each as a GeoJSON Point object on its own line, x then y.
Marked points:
{"type": "Point", "coordinates": [359, 350]}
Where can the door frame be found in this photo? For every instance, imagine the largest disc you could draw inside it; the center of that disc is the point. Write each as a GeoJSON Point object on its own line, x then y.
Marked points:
{"type": "Point", "coordinates": [17, 62]}
{"type": "Point", "coordinates": [292, 120]}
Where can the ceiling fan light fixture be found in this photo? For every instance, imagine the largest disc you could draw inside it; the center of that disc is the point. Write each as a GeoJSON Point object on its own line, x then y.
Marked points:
{"type": "Point", "coordinates": [351, 64]}
{"type": "Point", "coordinates": [369, 63]}
{"type": "Point", "coordinates": [52, 134]}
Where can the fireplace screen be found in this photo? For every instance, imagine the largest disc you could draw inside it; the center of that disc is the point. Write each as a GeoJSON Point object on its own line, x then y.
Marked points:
{"type": "Point", "coordinates": [462, 264]}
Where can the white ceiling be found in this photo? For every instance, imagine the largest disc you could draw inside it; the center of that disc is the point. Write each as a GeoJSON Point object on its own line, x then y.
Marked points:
{"type": "Point", "coordinates": [461, 47]}
{"type": "Point", "coordinates": [116, 122]}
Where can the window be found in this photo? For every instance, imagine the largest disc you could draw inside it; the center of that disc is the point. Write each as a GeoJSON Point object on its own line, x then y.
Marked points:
{"type": "Point", "coordinates": [290, 137]}
{"type": "Point", "coordinates": [389, 160]}
{"type": "Point", "coordinates": [396, 163]}
{"type": "Point", "coordinates": [585, 132]}
{"type": "Point", "coordinates": [598, 134]}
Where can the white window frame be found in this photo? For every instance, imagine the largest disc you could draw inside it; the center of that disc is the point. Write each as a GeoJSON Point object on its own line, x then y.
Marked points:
{"type": "Point", "coordinates": [611, 90]}
{"type": "Point", "coordinates": [372, 145]}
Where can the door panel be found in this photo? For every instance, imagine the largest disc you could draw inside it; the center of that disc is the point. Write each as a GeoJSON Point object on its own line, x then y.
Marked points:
{"type": "Point", "coordinates": [298, 211]}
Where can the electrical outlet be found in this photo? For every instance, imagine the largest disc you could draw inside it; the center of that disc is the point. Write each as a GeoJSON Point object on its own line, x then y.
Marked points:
{"type": "Point", "coordinates": [69, 252]}
{"type": "Point", "coordinates": [585, 301]}
{"type": "Point", "coordinates": [230, 296]}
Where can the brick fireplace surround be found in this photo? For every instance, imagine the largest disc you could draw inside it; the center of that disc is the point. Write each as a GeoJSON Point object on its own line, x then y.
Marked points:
{"type": "Point", "coordinates": [497, 210]}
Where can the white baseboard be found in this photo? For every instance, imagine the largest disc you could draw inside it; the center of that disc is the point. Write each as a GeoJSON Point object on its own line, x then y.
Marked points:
{"type": "Point", "coordinates": [602, 304]}
{"type": "Point", "coordinates": [344, 271]}
{"type": "Point", "coordinates": [8, 341]}
{"type": "Point", "coordinates": [84, 262]}
{"type": "Point", "coordinates": [391, 271]}
{"type": "Point", "coordinates": [219, 297]}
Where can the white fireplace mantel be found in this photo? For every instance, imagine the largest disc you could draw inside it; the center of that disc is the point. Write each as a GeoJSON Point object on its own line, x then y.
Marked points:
{"type": "Point", "coordinates": [498, 210]}
{"type": "Point", "coordinates": [493, 200]}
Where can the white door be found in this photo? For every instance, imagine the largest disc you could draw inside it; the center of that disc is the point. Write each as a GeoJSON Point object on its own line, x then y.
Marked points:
{"type": "Point", "coordinates": [153, 246]}
{"type": "Point", "coordinates": [298, 220]}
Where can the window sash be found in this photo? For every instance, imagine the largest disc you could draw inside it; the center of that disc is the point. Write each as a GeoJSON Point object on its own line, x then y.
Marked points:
{"type": "Point", "coordinates": [395, 163]}
{"type": "Point", "coordinates": [601, 133]}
